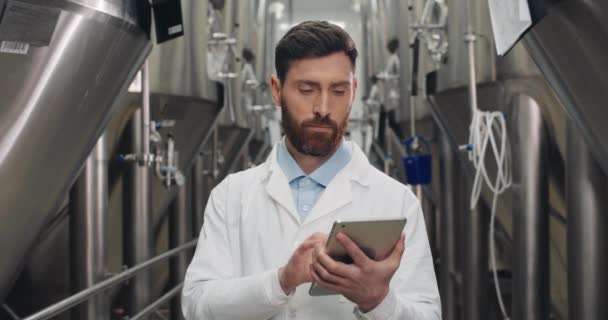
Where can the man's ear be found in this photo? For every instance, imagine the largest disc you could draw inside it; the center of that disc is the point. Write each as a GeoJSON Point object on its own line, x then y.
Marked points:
{"type": "Point", "coordinates": [275, 90]}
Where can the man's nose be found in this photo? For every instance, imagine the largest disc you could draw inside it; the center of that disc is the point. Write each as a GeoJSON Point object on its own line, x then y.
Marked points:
{"type": "Point", "coordinates": [322, 104]}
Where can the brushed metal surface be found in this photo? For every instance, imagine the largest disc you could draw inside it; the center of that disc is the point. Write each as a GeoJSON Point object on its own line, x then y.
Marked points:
{"type": "Point", "coordinates": [138, 222]}
{"type": "Point", "coordinates": [530, 145]}
{"type": "Point", "coordinates": [180, 232]}
{"type": "Point", "coordinates": [569, 46]}
{"type": "Point", "coordinates": [450, 213]}
{"type": "Point", "coordinates": [586, 187]}
{"type": "Point", "coordinates": [89, 232]}
{"type": "Point", "coordinates": [56, 101]}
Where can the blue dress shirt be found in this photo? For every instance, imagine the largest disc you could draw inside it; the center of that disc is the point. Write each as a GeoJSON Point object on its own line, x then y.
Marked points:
{"type": "Point", "coordinates": [306, 190]}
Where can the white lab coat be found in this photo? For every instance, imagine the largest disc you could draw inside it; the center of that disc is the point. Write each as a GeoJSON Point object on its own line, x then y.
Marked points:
{"type": "Point", "coordinates": [252, 227]}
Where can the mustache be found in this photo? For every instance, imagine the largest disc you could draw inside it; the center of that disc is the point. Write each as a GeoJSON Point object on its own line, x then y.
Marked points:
{"type": "Point", "coordinates": [325, 121]}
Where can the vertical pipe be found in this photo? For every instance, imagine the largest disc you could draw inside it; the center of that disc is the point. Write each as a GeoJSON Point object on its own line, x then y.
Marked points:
{"type": "Point", "coordinates": [475, 264]}
{"type": "Point", "coordinates": [429, 207]}
{"type": "Point", "coordinates": [145, 88]}
{"type": "Point", "coordinates": [470, 39]}
{"type": "Point", "coordinates": [475, 288]}
{"type": "Point", "coordinates": [429, 214]}
{"type": "Point", "coordinates": [261, 51]}
{"type": "Point", "coordinates": [137, 226]}
{"type": "Point", "coordinates": [530, 211]}
{"type": "Point", "coordinates": [365, 47]}
{"type": "Point", "coordinates": [586, 186]}
{"type": "Point", "coordinates": [89, 232]}
{"type": "Point", "coordinates": [179, 234]}
{"type": "Point", "coordinates": [448, 176]}
{"type": "Point", "coordinates": [408, 58]}
{"type": "Point", "coordinates": [231, 85]}
{"type": "Point", "coordinates": [475, 226]}
{"type": "Point", "coordinates": [198, 185]}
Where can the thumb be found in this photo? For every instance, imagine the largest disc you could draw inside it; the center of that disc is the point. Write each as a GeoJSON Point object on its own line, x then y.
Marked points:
{"type": "Point", "coordinates": [398, 249]}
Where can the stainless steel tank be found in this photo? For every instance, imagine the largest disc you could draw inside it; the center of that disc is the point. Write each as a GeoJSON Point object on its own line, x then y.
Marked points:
{"type": "Point", "coordinates": [64, 66]}
{"type": "Point", "coordinates": [453, 73]}
{"type": "Point", "coordinates": [569, 46]}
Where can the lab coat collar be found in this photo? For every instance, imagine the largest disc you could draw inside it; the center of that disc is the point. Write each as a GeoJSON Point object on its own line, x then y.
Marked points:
{"type": "Point", "coordinates": [337, 194]}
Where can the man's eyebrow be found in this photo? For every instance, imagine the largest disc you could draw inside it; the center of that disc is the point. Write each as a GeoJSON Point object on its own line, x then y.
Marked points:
{"type": "Point", "coordinates": [341, 83]}
{"type": "Point", "coordinates": [317, 84]}
{"type": "Point", "coordinates": [308, 82]}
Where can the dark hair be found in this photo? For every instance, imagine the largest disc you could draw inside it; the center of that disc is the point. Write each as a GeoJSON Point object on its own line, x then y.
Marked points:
{"type": "Point", "coordinates": [248, 55]}
{"type": "Point", "coordinates": [312, 39]}
{"type": "Point", "coordinates": [393, 45]}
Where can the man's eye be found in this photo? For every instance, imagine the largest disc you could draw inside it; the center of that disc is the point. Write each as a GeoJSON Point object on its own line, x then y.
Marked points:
{"type": "Point", "coordinates": [339, 92]}
{"type": "Point", "coordinates": [306, 91]}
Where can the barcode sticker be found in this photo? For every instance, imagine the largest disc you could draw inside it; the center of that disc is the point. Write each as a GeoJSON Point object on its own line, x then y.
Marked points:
{"type": "Point", "coordinates": [14, 47]}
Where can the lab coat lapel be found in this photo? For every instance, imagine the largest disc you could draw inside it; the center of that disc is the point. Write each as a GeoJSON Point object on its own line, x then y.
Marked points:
{"type": "Point", "coordinates": [337, 195]}
{"type": "Point", "coordinates": [277, 185]}
{"type": "Point", "coordinates": [339, 191]}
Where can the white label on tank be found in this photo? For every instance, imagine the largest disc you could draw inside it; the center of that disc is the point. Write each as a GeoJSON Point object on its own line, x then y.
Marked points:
{"type": "Point", "coordinates": [14, 47]}
{"type": "Point", "coordinates": [175, 29]}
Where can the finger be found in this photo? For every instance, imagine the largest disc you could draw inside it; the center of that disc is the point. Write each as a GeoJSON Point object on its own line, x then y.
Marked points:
{"type": "Point", "coordinates": [322, 283]}
{"type": "Point", "coordinates": [335, 267]}
{"type": "Point", "coordinates": [353, 250]}
{"type": "Point", "coordinates": [398, 249]}
{"type": "Point", "coordinates": [308, 244]}
{"type": "Point", "coordinates": [317, 250]}
{"type": "Point", "coordinates": [328, 276]}
{"type": "Point", "coordinates": [318, 236]}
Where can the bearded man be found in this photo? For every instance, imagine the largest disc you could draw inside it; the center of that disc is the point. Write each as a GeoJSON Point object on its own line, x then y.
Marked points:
{"type": "Point", "coordinates": [264, 236]}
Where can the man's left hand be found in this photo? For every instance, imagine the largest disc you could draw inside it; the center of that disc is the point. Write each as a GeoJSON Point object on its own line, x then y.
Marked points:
{"type": "Point", "coordinates": [365, 282]}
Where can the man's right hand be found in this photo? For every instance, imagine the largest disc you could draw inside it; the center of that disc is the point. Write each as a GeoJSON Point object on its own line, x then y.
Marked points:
{"type": "Point", "coordinates": [297, 270]}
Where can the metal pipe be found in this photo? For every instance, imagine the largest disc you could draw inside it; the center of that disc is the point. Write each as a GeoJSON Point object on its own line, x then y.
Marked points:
{"type": "Point", "coordinates": [198, 203]}
{"type": "Point", "coordinates": [430, 205]}
{"type": "Point", "coordinates": [449, 176]}
{"type": "Point", "coordinates": [475, 227]}
{"type": "Point", "coordinates": [366, 69]}
{"type": "Point", "coordinates": [470, 38]}
{"type": "Point", "coordinates": [475, 264]}
{"type": "Point", "coordinates": [429, 214]}
{"type": "Point", "coordinates": [84, 295]}
{"type": "Point", "coordinates": [156, 304]}
{"type": "Point", "coordinates": [228, 101]}
{"type": "Point", "coordinates": [10, 312]}
{"type": "Point", "coordinates": [586, 186]}
{"type": "Point", "coordinates": [89, 231]}
{"type": "Point", "coordinates": [145, 91]}
{"type": "Point", "coordinates": [261, 50]}
{"type": "Point", "coordinates": [530, 211]}
{"type": "Point", "coordinates": [138, 229]}
{"type": "Point", "coordinates": [179, 233]}
{"type": "Point", "coordinates": [215, 152]}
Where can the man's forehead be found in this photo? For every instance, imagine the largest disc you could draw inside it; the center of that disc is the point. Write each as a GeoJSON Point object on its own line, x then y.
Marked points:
{"type": "Point", "coordinates": [332, 68]}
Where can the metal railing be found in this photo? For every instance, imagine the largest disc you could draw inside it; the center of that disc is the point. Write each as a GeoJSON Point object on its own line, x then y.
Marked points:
{"type": "Point", "coordinates": [156, 304]}
{"type": "Point", "coordinates": [86, 294]}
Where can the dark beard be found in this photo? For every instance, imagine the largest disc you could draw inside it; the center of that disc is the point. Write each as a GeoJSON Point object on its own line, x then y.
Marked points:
{"type": "Point", "coordinates": [317, 144]}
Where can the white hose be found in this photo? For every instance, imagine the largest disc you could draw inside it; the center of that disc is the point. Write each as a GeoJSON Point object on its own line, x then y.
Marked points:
{"type": "Point", "coordinates": [489, 128]}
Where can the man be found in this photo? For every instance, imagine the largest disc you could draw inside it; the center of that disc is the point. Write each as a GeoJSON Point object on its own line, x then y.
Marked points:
{"type": "Point", "coordinates": [263, 238]}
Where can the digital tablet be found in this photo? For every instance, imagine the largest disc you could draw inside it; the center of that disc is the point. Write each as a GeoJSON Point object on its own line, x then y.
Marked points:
{"type": "Point", "coordinates": [376, 238]}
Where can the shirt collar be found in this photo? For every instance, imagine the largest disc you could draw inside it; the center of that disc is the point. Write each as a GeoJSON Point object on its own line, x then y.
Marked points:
{"type": "Point", "coordinates": [288, 164]}
{"type": "Point", "coordinates": [322, 175]}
